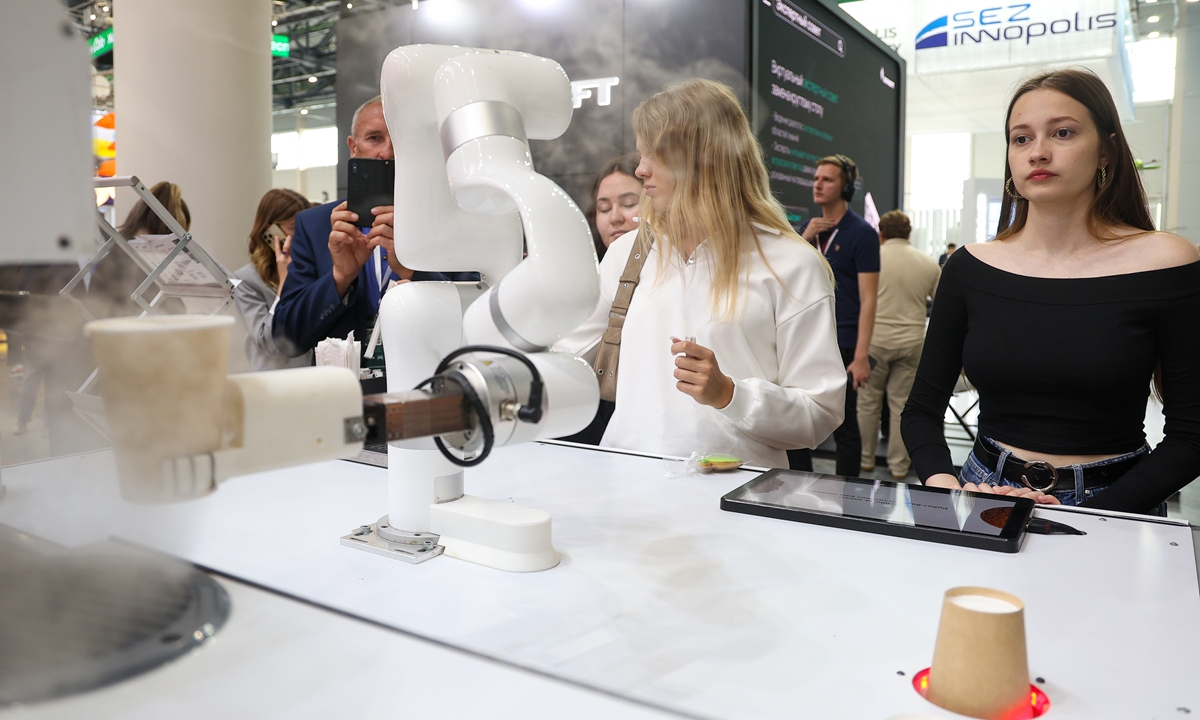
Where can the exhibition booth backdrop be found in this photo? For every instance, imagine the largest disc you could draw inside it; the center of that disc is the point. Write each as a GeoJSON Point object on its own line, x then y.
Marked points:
{"type": "Point", "coordinates": [819, 80]}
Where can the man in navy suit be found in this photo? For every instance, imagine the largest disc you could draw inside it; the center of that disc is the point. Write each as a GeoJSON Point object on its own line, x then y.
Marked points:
{"type": "Point", "coordinates": [338, 274]}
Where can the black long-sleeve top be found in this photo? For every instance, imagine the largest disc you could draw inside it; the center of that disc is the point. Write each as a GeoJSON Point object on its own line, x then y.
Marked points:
{"type": "Point", "coordinates": [1064, 366]}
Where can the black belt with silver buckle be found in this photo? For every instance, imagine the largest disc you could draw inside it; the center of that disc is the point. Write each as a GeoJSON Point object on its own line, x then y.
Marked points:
{"type": "Point", "coordinates": [1043, 476]}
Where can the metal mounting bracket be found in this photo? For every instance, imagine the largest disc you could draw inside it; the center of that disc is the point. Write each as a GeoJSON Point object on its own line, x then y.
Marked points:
{"type": "Point", "coordinates": [382, 539]}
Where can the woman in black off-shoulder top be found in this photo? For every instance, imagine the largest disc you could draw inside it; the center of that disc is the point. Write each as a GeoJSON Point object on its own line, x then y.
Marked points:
{"type": "Point", "coordinates": [1065, 321]}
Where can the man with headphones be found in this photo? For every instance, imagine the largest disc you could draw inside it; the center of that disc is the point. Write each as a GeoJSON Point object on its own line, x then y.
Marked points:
{"type": "Point", "coordinates": [852, 248]}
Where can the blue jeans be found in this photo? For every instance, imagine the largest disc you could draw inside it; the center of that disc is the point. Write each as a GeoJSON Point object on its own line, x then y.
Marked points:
{"type": "Point", "coordinates": [974, 471]}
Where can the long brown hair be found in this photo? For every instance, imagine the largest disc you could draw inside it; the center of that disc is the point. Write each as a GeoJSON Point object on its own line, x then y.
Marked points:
{"type": "Point", "coordinates": [699, 131]}
{"type": "Point", "coordinates": [278, 205]}
{"type": "Point", "coordinates": [1121, 201]}
{"type": "Point", "coordinates": [141, 220]}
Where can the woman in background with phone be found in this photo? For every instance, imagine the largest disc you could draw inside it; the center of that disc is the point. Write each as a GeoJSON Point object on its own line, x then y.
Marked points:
{"type": "Point", "coordinates": [263, 277]}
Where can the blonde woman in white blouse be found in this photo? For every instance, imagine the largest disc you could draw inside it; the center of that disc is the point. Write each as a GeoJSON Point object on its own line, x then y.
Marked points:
{"type": "Point", "coordinates": [729, 344]}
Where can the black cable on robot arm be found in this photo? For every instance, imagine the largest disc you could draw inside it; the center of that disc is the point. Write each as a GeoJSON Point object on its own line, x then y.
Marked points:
{"type": "Point", "coordinates": [531, 411]}
{"type": "Point", "coordinates": [485, 420]}
{"type": "Point", "coordinates": [485, 423]}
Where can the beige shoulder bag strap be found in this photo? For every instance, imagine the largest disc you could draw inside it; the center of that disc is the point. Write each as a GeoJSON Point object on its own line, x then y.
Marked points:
{"type": "Point", "coordinates": [610, 345]}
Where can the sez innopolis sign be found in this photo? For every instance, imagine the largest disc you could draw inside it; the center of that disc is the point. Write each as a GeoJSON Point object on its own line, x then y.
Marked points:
{"type": "Point", "coordinates": [998, 24]}
{"type": "Point", "coordinates": [950, 36]}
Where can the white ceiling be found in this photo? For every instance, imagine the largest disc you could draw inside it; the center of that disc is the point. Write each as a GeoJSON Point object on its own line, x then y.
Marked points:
{"type": "Point", "coordinates": [976, 101]}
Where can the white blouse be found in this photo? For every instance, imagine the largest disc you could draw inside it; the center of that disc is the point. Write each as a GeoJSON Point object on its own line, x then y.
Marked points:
{"type": "Point", "coordinates": [780, 349]}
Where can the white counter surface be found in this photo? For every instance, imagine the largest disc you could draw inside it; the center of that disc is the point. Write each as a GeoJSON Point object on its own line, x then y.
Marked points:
{"type": "Point", "coordinates": [279, 658]}
{"type": "Point", "coordinates": [663, 597]}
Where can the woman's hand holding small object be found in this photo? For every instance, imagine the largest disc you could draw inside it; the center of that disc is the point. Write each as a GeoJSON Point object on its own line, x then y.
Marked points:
{"type": "Point", "coordinates": [699, 375]}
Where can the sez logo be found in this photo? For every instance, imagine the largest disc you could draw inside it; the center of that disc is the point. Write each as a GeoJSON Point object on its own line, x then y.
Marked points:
{"type": "Point", "coordinates": [1010, 22]}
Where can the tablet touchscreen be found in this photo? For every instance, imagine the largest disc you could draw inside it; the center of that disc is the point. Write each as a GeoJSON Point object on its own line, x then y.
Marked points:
{"type": "Point", "coordinates": [951, 516]}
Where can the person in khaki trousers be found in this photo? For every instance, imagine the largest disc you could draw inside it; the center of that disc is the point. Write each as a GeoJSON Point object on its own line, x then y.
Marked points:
{"type": "Point", "coordinates": [907, 279]}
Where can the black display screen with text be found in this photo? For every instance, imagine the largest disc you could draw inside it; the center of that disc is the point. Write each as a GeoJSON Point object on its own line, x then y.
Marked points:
{"type": "Point", "coordinates": [821, 85]}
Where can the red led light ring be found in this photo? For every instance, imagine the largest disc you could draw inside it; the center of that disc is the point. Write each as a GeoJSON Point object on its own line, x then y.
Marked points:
{"type": "Point", "coordinates": [1039, 704]}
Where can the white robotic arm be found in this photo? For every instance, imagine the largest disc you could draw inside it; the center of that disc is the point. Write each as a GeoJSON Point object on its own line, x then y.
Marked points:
{"type": "Point", "coordinates": [461, 120]}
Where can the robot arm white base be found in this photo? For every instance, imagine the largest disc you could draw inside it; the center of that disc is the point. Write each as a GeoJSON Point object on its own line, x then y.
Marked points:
{"type": "Point", "coordinates": [497, 534]}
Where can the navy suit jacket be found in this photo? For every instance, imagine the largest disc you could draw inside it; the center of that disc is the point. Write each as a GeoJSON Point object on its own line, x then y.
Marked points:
{"type": "Point", "coordinates": [309, 309]}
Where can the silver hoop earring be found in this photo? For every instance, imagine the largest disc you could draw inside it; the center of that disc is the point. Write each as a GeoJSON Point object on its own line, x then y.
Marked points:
{"type": "Point", "coordinates": [1102, 179]}
{"type": "Point", "coordinates": [1009, 191]}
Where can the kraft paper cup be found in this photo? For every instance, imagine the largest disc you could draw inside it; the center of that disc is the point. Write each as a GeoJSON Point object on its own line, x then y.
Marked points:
{"type": "Point", "coordinates": [980, 667]}
{"type": "Point", "coordinates": [163, 383]}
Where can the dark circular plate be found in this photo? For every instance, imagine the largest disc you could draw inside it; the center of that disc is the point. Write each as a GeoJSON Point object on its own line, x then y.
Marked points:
{"type": "Point", "coordinates": [76, 620]}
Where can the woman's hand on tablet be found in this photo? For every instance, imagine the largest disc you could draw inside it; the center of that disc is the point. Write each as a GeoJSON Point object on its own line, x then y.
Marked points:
{"type": "Point", "coordinates": [1036, 495]}
{"type": "Point", "coordinates": [945, 480]}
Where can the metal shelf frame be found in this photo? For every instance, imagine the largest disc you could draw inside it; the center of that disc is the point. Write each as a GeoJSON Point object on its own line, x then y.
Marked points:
{"type": "Point", "coordinates": [110, 238]}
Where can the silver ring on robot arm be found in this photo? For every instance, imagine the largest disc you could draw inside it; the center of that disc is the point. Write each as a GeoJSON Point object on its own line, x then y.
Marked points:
{"type": "Point", "coordinates": [481, 119]}
{"type": "Point", "coordinates": [505, 329]}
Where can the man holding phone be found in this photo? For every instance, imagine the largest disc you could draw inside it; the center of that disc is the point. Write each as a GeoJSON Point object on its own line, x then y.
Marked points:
{"type": "Point", "coordinates": [338, 272]}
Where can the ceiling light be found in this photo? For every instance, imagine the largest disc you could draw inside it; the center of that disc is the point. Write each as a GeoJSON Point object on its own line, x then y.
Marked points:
{"type": "Point", "coordinates": [312, 78]}
{"type": "Point", "coordinates": [1150, 2]}
{"type": "Point", "coordinates": [304, 111]}
{"type": "Point", "coordinates": [1153, 35]}
{"type": "Point", "coordinates": [349, 6]}
{"type": "Point", "coordinates": [93, 16]}
{"type": "Point", "coordinates": [104, 8]}
{"type": "Point", "coordinates": [274, 23]}
{"type": "Point", "coordinates": [1152, 19]}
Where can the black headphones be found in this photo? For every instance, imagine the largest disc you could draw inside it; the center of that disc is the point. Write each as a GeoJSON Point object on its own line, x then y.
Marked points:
{"type": "Point", "coordinates": [853, 182]}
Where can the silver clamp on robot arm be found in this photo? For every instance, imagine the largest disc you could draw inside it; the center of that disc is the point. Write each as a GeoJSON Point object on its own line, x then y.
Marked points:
{"type": "Point", "coordinates": [488, 391]}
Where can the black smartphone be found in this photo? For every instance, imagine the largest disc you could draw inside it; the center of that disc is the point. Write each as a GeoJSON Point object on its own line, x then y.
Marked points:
{"type": "Point", "coordinates": [370, 183]}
